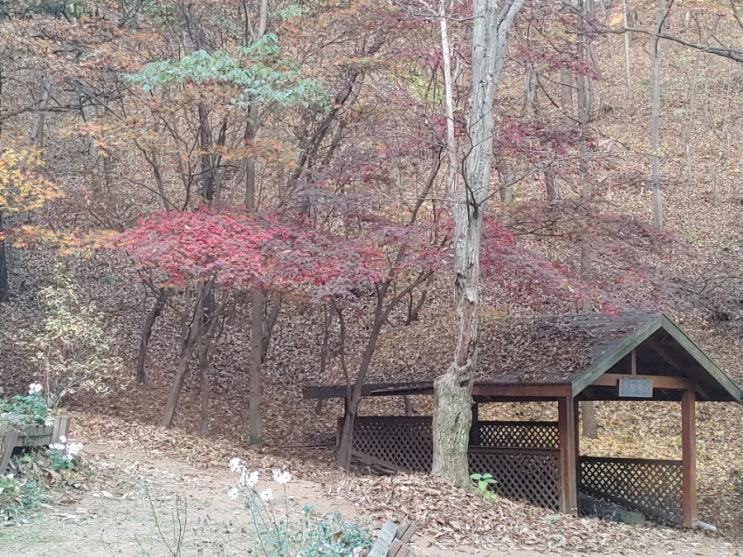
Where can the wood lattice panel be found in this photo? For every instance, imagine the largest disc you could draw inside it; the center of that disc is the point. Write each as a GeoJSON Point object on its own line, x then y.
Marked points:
{"type": "Point", "coordinates": [652, 487]}
{"type": "Point", "coordinates": [518, 435]}
{"type": "Point", "coordinates": [405, 443]}
{"type": "Point", "coordinates": [522, 474]}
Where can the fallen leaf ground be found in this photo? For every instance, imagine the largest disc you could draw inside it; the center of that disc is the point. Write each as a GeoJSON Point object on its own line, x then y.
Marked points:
{"type": "Point", "coordinates": [129, 508]}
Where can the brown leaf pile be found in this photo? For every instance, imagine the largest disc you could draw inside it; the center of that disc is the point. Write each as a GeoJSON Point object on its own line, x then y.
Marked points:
{"type": "Point", "coordinates": [454, 517]}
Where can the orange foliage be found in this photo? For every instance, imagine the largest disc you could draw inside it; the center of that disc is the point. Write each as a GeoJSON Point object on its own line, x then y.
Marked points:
{"type": "Point", "coordinates": [22, 187]}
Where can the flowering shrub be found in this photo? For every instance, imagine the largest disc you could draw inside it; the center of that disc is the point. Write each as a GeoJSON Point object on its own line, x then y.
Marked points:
{"type": "Point", "coordinates": [30, 408]}
{"type": "Point", "coordinates": [281, 530]}
{"type": "Point", "coordinates": [63, 455]}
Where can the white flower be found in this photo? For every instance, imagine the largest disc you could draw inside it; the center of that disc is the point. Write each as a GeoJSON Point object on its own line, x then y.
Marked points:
{"type": "Point", "coordinates": [251, 479]}
{"type": "Point", "coordinates": [49, 422]}
{"type": "Point", "coordinates": [35, 389]}
{"type": "Point", "coordinates": [74, 448]}
{"type": "Point", "coordinates": [281, 477]}
{"type": "Point", "coordinates": [266, 495]}
{"type": "Point", "coordinates": [57, 446]}
{"type": "Point", "coordinates": [63, 439]}
{"type": "Point", "coordinates": [237, 465]}
{"type": "Point", "coordinates": [233, 493]}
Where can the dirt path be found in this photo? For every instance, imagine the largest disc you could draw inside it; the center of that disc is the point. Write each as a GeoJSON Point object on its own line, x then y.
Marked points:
{"type": "Point", "coordinates": [136, 503]}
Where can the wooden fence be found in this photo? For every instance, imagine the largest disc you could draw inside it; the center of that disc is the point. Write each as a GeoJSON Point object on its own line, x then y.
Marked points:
{"type": "Point", "coordinates": [652, 487]}
{"type": "Point", "coordinates": [522, 456]}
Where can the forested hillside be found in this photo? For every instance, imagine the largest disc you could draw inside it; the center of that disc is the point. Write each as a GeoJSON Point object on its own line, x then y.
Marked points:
{"type": "Point", "coordinates": [205, 205]}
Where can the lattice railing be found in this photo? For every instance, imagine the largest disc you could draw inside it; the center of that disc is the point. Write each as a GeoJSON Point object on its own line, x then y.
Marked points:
{"type": "Point", "coordinates": [405, 443]}
{"type": "Point", "coordinates": [517, 435]}
{"type": "Point", "coordinates": [650, 486]}
{"type": "Point", "coordinates": [522, 474]}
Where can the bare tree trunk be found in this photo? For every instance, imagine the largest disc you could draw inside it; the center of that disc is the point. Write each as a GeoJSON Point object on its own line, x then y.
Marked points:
{"type": "Point", "coordinates": [180, 376]}
{"type": "Point", "coordinates": [452, 414]}
{"type": "Point", "coordinates": [255, 423]}
{"type": "Point", "coordinates": [36, 137]}
{"type": "Point", "coordinates": [206, 340]}
{"type": "Point", "coordinates": [588, 408]}
{"type": "Point", "coordinates": [204, 387]}
{"type": "Point", "coordinates": [655, 169]}
{"type": "Point", "coordinates": [4, 286]}
{"type": "Point", "coordinates": [627, 68]}
{"type": "Point", "coordinates": [353, 399]}
{"type": "Point", "coordinates": [327, 323]}
{"type": "Point", "coordinates": [690, 121]}
{"type": "Point", "coordinates": [208, 176]}
{"type": "Point", "coordinates": [190, 341]}
{"type": "Point", "coordinates": [144, 340]}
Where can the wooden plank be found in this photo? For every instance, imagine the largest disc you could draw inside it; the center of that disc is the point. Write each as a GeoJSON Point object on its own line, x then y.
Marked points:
{"type": "Point", "coordinates": [405, 531]}
{"type": "Point", "coordinates": [8, 437]}
{"type": "Point", "coordinates": [505, 390]}
{"type": "Point", "coordinates": [61, 428]}
{"type": "Point", "coordinates": [369, 389]}
{"type": "Point", "coordinates": [689, 459]}
{"type": "Point", "coordinates": [568, 464]}
{"type": "Point", "coordinates": [659, 381]}
{"type": "Point", "coordinates": [398, 549]}
{"type": "Point", "coordinates": [384, 540]}
{"type": "Point", "coordinates": [576, 434]}
{"type": "Point", "coordinates": [547, 391]}
{"type": "Point", "coordinates": [631, 460]}
{"type": "Point", "coordinates": [33, 435]}
{"type": "Point", "coordinates": [374, 461]}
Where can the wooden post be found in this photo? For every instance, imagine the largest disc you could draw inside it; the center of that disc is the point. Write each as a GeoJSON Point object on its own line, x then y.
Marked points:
{"type": "Point", "coordinates": [689, 458]}
{"type": "Point", "coordinates": [475, 437]}
{"type": "Point", "coordinates": [8, 437]}
{"type": "Point", "coordinates": [567, 428]}
{"type": "Point", "coordinates": [576, 420]}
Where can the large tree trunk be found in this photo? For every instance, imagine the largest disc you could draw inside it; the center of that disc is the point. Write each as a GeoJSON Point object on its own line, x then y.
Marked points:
{"type": "Point", "coordinates": [452, 415]}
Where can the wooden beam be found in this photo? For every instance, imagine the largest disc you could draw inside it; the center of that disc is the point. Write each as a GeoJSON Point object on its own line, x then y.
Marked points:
{"type": "Point", "coordinates": [567, 430]}
{"type": "Point", "coordinates": [674, 362]}
{"type": "Point", "coordinates": [547, 391]}
{"type": "Point", "coordinates": [689, 459]}
{"type": "Point", "coordinates": [576, 420]}
{"type": "Point", "coordinates": [659, 381]}
{"type": "Point", "coordinates": [370, 389]}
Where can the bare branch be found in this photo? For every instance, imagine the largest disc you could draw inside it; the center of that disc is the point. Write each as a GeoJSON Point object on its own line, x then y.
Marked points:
{"type": "Point", "coordinates": [729, 53]}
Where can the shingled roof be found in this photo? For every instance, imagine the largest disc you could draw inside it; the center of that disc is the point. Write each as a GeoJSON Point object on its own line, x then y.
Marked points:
{"type": "Point", "coordinates": [562, 350]}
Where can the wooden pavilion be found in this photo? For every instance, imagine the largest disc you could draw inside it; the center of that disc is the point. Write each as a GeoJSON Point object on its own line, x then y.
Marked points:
{"type": "Point", "coordinates": [564, 359]}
